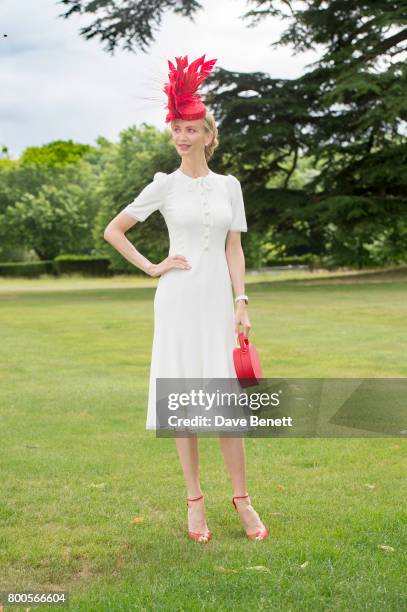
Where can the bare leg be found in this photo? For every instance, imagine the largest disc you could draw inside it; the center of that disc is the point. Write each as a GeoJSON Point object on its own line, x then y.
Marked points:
{"type": "Point", "coordinates": [188, 453]}
{"type": "Point", "coordinates": [234, 457]}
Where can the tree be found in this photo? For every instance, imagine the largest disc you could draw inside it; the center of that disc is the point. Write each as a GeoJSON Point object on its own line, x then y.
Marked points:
{"type": "Point", "coordinates": [52, 222]}
{"type": "Point", "coordinates": [49, 199]}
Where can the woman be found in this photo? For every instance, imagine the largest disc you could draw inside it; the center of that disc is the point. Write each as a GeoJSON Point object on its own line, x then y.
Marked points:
{"type": "Point", "coordinates": [194, 323]}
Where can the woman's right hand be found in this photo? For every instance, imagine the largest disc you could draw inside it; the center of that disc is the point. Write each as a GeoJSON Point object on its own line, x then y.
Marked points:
{"type": "Point", "coordinates": [172, 261]}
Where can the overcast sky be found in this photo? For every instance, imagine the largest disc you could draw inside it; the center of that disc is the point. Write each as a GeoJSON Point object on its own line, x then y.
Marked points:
{"type": "Point", "coordinates": [55, 85]}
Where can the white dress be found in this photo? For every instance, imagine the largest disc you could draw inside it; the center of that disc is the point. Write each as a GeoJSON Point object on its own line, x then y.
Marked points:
{"type": "Point", "coordinates": [194, 332]}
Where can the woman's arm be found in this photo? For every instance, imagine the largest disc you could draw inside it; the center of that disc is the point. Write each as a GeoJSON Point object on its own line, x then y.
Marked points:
{"type": "Point", "coordinates": [236, 264]}
{"type": "Point", "coordinates": [114, 234]}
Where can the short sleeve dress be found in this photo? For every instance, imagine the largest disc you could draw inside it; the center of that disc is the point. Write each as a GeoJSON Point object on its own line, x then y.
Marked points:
{"type": "Point", "coordinates": [194, 333]}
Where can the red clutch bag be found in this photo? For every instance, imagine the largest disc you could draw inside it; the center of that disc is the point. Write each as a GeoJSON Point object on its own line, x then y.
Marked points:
{"type": "Point", "coordinates": [247, 362]}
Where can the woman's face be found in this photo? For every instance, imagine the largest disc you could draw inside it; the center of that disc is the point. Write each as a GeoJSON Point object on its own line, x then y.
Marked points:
{"type": "Point", "coordinates": [190, 137]}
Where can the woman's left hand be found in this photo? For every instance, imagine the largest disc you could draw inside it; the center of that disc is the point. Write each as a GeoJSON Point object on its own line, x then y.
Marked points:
{"type": "Point", "coordinates": [242, 319]}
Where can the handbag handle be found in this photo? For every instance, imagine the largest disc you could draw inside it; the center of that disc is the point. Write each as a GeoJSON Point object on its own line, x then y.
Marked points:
{"type": "Point", "coordinates": [243, 341]}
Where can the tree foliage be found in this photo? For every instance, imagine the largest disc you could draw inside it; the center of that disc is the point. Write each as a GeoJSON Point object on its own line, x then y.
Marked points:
{"type": "Point", "coordinates": [131, 23]}
{"type": "Point", "coordinates": [48, 201]}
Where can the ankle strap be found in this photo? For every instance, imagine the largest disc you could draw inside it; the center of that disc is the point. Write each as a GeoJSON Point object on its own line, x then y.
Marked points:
{"type": "Point", "coordinates": [240, 496]}
{"type": "Point", "coordinates": [195, 498]}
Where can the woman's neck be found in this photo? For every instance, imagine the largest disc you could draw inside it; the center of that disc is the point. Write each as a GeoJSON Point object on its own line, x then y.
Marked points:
{"type": "Point", "coordinates": [194, 168]}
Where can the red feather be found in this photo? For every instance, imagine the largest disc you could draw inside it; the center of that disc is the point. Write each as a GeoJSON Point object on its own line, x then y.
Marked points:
{"type": "Point", "coordinates": [183, 101]}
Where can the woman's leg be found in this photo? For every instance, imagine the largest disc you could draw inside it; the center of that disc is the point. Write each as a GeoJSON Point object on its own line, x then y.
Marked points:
{"type": "Point", "coordinates": [233, 450]}
{"type": "Point", "coordinates": [188, 453]}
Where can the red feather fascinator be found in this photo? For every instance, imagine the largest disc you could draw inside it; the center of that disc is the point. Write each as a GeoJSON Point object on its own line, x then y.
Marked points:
{"type": "Point", "coordinates": [183, 101]}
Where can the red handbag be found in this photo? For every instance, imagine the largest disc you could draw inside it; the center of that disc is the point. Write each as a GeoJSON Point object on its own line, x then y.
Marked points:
{"type": "Point", "coordinates": [247, 362]}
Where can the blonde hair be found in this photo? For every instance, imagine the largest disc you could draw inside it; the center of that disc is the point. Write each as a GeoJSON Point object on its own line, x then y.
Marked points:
{"type": "Point", "coordinates": [210, 126]}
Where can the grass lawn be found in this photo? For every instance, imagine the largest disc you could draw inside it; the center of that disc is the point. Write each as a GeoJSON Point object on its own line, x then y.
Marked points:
{"type": "Point", "coordinates": [78, 465]}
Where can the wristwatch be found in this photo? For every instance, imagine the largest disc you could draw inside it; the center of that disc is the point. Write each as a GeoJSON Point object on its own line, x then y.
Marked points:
{"type": "Point", "coordinates": [242, 297]}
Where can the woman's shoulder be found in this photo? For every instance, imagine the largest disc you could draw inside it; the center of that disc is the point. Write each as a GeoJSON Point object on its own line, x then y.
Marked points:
{"type": "Point", "coordinates": [230, 178]}
{"type": "Point", "coordinates": [161, 182]}
{"type": "Point", "coordinates": [160, 176]}
{"type": "Point", "coordinates": [164, 178]}
{"type": "Point", "coordinates": [229, 181]}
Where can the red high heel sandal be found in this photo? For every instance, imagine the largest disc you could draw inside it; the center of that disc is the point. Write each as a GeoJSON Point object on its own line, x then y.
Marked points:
{"type": "Point", "coordinates": [259, 535]}
{"type": "Point", "coordinates": [198, 537]}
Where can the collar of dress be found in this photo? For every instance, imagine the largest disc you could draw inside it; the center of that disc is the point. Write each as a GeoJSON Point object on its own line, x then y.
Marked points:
{"type": "Point", "coordinates": [200, 181]}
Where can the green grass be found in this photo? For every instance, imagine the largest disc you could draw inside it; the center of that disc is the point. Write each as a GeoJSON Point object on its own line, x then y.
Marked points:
{"type": "Point", "coordinates": [78, 465]}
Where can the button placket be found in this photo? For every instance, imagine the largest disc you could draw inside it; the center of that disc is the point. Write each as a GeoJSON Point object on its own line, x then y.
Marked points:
{"type": "Point", "coordinates": [207, 219]}
{"type": "Point", "coordinates": [204, 186]}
